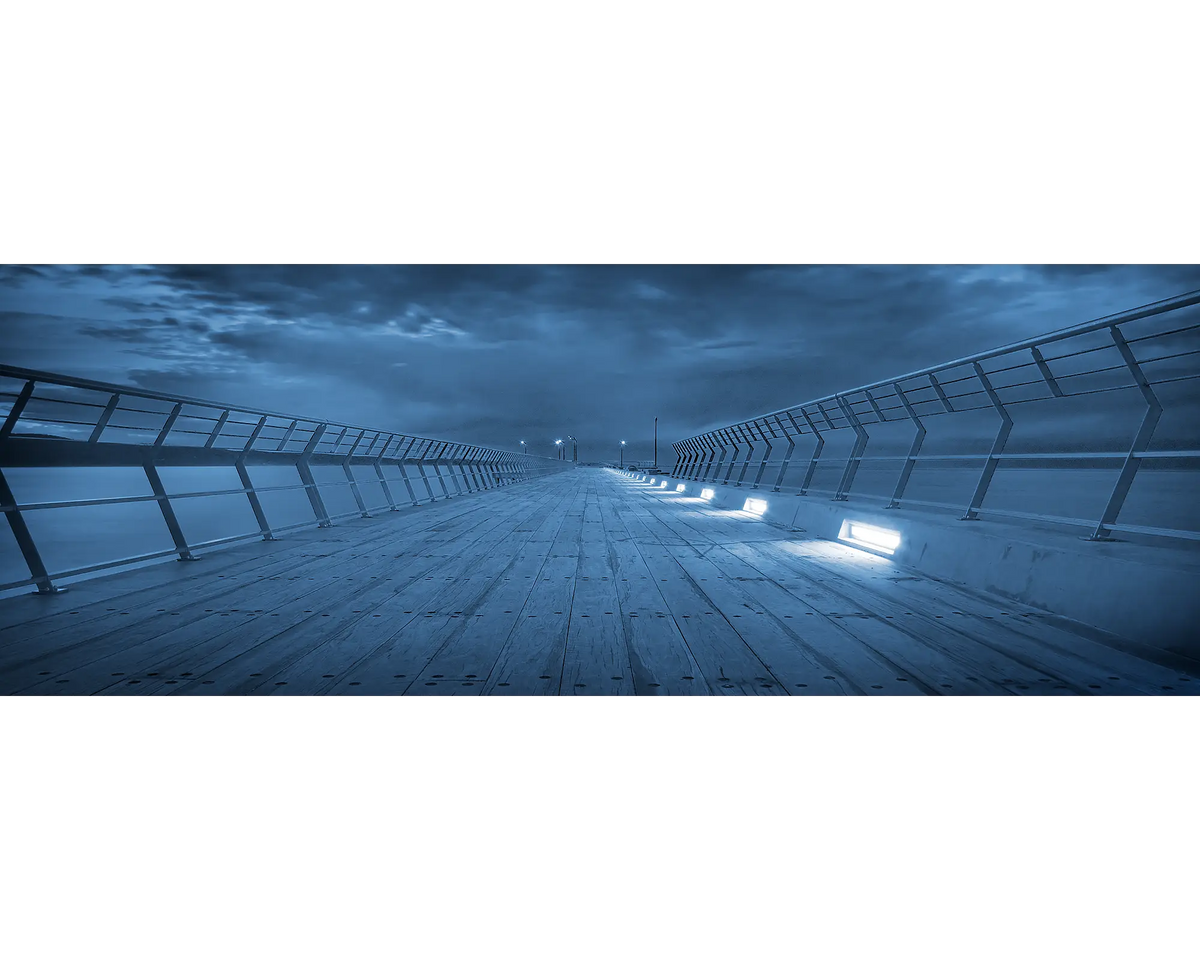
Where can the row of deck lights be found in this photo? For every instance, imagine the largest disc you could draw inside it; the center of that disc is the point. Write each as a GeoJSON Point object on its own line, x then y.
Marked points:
{"type": "Point", "coordinates": [856, 534]}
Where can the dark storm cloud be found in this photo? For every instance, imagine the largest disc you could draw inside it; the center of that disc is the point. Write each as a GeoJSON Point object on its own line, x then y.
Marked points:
{"type": "Point", "coordinates": [495, 354]}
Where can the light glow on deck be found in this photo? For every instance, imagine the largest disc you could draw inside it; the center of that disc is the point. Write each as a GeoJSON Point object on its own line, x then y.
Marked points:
{"type": "Point", "coordinates": [868, 537]}
{"type": "Point", "coordinates": [663, 484]}
{"type": "Point", "coordinates": [680, 487]}
{"type": "Point", "coordinates": [707, 493]}
{"type": "Point", "coordinates": [755, 506]}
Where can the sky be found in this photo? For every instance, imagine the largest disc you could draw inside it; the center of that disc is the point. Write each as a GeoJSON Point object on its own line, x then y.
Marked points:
{"type": "Point", "coordinates": [498, 354]}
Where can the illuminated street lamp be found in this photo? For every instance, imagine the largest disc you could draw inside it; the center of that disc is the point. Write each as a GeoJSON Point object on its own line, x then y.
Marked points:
{"type": "Point", "coordinates": [558, 443]}
{"type": "Point", "coordinates": [622, 454]}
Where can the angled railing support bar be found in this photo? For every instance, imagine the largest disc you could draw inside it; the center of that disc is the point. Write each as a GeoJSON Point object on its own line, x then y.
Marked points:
{"type": "Point", "coordinates": [111, 408]}
{"type": "Point", "coordinates": [860, 444]}
{"type": "Point", "coordinates": [304, 468]}
{"type": "Point", "coordinates": [1141, 441]}
{"type": "Point", "coordinates": [993, 460]}
{"type": "Point", "coordinates": [25, 542]}
{"type": "Point", "coordinates": [816, 455]}
{"type": "Point", "coordinates": [787, 457]}
{"type": "Point", "coordinates": [168, 511]}
{"type": "Point", "coordinates": [911, 460]}
{"type": "Point", "coordinates": [766, 456]}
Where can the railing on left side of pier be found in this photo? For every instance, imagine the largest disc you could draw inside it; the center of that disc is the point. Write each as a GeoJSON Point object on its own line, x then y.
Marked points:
{"type": "Point", "coordinates": [67, 422]}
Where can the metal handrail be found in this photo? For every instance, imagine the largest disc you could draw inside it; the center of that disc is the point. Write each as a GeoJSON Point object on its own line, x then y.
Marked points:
{"type": "Point", "coordinates": [977, 383]}
{"type": "Point", "coordinates": [38, 432]}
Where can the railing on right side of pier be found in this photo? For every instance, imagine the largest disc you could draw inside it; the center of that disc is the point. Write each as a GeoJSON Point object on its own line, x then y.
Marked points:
{"type": "Point", "coordinates": [71, 423]}
{"type": "Point", "coordinates": [1142, 352]}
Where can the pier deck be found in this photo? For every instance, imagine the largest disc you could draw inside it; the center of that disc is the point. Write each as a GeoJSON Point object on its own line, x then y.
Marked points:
{"type": "Point", "coordinates": [581, 583]}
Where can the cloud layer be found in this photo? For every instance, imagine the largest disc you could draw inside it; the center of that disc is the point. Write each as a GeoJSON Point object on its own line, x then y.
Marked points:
{"type": "Point", "coordinates": [497, 354]}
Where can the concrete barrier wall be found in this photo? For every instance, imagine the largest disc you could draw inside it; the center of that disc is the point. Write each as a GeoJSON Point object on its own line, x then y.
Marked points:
{"type": "Point", "coordinates": [1146, 594]}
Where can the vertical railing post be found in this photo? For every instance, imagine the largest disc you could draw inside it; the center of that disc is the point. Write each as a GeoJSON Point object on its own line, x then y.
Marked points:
{"type": "Point", "coordinates": [244, 476]}
{"type": "Point", "coordinates": [451, 459]}
{"type": "Point", "coordinates": [911, 460]}
{"type": "Point", "coordinates": [170, 422]}
{"type": "Point", "coordinates": [439, 460]}
{"type": "Point", "coordinates": [212, 437]}
{"type": "Point", "coordinates": [164, 505]}
{"type": "Point", "coordinates": [412, 494]}
{"type": "Point", "coordinates": [304, 468]}
{"type": "Point", "coordinates": [1141, 441]}
{"type": "Point", "coordinates": [287, 435]}
{"type": "Point", "coordinates": [728, 432]}
{"type": "Point", "coordinates": [993, 460]}
{"type": "Point", "coordinates": [421, 469]}
{"type": "Point", "coordinates": [766, 453]}
{"type": "Point", "coordinates": [461, 463]}
{"type": "Point", "coordinates": [1044, 369]}
{"type": "Point", "coordinates": [106, 415]}
{"type": "Point", "coordinates": [703, 469]}
{"type": "Point", "coordinates": [25, 541]}
{"type": "Point", "coordinates": [746, 435]}
{"type": "Point", "coordinates": [349, 472]}
{"type": "Point", "coordinates": [937, 388]}
{"type": "Point", "coordinates": [473, 468]}
{"type": "Point", "coordinates": [338, 442]}
{"type": "Point", "coordinates": [787, 457]}
{"type": "Point", "coordinates": [383, 484]}
{"type": "Point", "coordinates": [15, 411]}
{"type": "Point", "coordinates": [477, 477]}
{"type": "Point", "coordinates": [816, 455]}
{"type": "Point", "coordinates": [860, 444]}
{"type": "Point", "coordinates": [719, 438]}
{"type": "Point", "coordinates": [691, 456]}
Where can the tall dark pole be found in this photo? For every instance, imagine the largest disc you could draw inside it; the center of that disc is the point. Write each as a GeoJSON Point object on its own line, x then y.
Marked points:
{"type": "Point", "coordinates": [656, 443]}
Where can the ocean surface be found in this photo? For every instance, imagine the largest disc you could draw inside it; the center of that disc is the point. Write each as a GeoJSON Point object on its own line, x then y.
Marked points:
{"type": "Point", "coordinates": [73, 537]}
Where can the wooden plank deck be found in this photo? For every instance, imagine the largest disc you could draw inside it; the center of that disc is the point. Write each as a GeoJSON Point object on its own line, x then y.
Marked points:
{"type": "Point", "coordinates": [584, 583]}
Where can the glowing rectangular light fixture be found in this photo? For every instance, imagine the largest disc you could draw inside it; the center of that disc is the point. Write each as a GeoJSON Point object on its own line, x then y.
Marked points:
{"type": "Point", "coordinates": [869, 538]}
{"type": "Point", "coordinates": [758, 507]}
{"type": "Point", "coordinates": [707, 493]}
{"type": "Point", "coordinates": [663, 484]}
{"type": "Point", "coordinates": [680, 487]}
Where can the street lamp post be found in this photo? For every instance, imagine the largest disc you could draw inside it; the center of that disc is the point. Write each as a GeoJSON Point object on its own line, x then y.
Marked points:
{"type": "Point", "coordinates": [558, 445]}
{"type": "Point", "coordinates": [574, 449]}
{"type": "Point", "coordinates": [622, 454]}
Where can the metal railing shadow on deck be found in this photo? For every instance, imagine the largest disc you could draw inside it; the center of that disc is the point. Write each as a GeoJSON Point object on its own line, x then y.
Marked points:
{"type": "Point", "coordinates": [66, 422]}
{"type": "Point", "coordinates": [1059, 385]}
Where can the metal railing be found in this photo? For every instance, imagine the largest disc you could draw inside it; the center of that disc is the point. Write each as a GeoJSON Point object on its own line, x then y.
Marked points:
{"type": "Point", "coordinates": [1139, 351]}
{"type": "Point", "coordinates": [67, 422]}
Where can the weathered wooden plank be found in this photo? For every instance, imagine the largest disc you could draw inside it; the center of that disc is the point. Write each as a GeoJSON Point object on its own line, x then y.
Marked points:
{"type": "Point", "coordinates": [163, 584]}
{"type": "Point", "coordinates": [892, 663]}
{"type": "Point", "coordinates": [596, 661]}
{"type": "Point", "coordinates": [217, 591]}
{"type": "Point", "coordinates": [659, 657]}
{"type": "Point", "coordinates": [345, 652]}
{"type": "Point", "coordinates": [150, 654]}
{"type": "Point", "coordinates": [279, 604]}
{"type": "Point", "coordinates": [724, 658]}
{"type": "Point", "coordinates": [413, 651]}
{"type": "Point", "coordinates": [530, 661]}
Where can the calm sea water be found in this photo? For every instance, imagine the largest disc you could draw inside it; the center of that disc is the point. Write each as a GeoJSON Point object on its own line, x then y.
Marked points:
{"type": "Point", "coordinates": [79, 536]}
